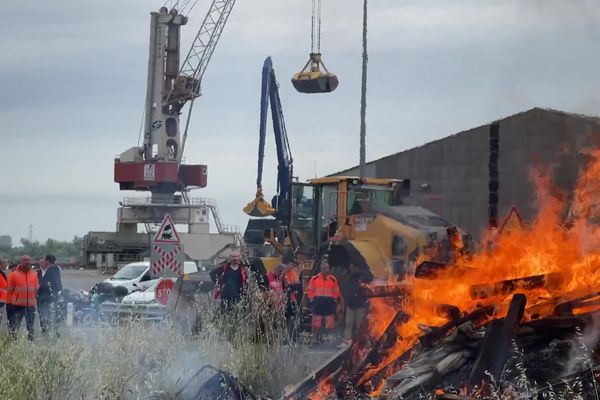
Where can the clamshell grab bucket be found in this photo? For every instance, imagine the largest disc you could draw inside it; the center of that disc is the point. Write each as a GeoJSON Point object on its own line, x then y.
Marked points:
{"type": "Point", "coordinates": [314, 77]}
{"type": "Point", "coordinates": [315, 83]}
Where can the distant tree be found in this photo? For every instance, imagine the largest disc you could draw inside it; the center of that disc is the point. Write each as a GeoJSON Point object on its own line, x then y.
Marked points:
{"type": "Point", "coordinates": [5, 242]}
{"type": "Point", "coordinates": [64, 251]}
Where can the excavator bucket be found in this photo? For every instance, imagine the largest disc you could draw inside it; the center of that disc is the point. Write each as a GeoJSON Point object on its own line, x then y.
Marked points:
{"type": "Point", "coordinates": [314, 77]}
{"type": "Point", "coordinates": [259, 207]}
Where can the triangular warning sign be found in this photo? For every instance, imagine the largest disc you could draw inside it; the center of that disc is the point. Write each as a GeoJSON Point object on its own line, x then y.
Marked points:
{"type": "Point", "coordinates": [512, 221]}
{"type": "Point", "coordinates": [167, 232]}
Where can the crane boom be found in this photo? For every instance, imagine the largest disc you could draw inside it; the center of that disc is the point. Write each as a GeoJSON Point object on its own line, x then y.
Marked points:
{"type": "Point", "coordinates": [188, 83]}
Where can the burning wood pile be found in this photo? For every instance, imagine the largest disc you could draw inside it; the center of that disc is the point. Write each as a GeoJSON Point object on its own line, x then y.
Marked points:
{"type": "Point", "coordinates": [525, 309]}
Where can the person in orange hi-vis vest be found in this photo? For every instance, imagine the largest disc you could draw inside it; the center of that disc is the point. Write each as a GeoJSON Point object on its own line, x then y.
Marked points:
{"type": "Point", "coordinates": [3, 285]}
{"type": "Point", "coordinates": [22, 291]}
{"type": "Point", "coordinates": [323, 293]}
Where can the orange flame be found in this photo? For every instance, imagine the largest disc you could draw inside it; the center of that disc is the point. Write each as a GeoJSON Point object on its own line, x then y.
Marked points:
{"type": "Point", "coordinates": [324, 390]}
{"type": "Point", "coordinates": [568, 254]}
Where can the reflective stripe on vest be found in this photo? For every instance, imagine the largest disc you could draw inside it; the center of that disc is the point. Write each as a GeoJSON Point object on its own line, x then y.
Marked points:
{"type": "Point", "coordinates": [321, 287]}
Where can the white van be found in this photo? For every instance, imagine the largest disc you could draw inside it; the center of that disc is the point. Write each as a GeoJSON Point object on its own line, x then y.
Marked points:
{"type": "Point", "coordinates": [136, 276]}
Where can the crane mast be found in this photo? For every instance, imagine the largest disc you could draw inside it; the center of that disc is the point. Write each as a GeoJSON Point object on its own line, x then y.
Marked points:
{"type": "Point", "coordinates": [156, 165]}
{"type": "Point", "coordinates": [161, 125]}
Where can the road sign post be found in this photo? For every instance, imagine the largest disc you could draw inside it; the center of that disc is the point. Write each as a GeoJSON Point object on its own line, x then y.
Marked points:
{"type": "Point", "coordinates": [163, 291]}
{"type": "Point", "coordinates": [166, 252]}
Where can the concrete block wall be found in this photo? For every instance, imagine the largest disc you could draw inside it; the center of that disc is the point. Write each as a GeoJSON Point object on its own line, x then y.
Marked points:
{"type": "Point", "coordinates": [450, 176]}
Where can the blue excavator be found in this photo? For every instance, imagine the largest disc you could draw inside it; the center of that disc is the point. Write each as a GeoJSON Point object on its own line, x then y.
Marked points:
{"type": "Point", "coordinates": [259, 207]}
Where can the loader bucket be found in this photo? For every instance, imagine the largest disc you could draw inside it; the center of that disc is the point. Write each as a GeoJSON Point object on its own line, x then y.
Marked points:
{"type": "Point", "coordinates": [309, 83]}
{"type": "Point", "coordinates": [259, 207]}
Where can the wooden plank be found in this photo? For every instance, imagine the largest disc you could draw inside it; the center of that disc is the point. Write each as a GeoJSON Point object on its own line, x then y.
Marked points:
{"type": "Point", "coordinates": [558, 322]}
{"type": "Point", "coordinates": [303, 389]}
{"type": "Point", "coordinates": [385, 342]}
{"type": "Point", "coordinates": [496, 346]}
{"type": "Point", "coordinates": [430, 269]}
{"type": "Point", "coordinates": [393, 290]}
{"type": "Point", "coordinates": [449, 396]}
{"type": "Point", "coordinates": [482, 291]}
{"type": "Point", "coordinates": [477, 316]}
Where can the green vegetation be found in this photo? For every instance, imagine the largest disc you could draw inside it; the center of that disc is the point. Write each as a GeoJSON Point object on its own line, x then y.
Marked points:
{"type": "Point", "coordinates": [150, 361]}
{"type": "Point", "coordinates": [62, 250]}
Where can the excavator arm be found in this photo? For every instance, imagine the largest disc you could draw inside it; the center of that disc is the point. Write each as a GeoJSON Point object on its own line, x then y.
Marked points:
{"type": "Point", "coordinates": [270, 94]}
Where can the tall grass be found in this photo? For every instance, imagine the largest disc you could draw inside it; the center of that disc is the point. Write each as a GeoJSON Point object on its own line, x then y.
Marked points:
{"type": "Point", "coordinates": [252, 342]}
{"type": "Point", "coordinates": [150, 361]}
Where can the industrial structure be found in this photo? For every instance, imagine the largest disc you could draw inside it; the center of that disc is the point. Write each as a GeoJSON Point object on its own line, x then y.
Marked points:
{"type": "Point", "coordinates": [156, 166]}
{"type": "Point", "coordinates": [473, 178]}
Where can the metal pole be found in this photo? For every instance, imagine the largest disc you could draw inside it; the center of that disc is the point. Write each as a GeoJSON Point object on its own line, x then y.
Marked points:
{"type": "Point", "coordinates": [363, 99]}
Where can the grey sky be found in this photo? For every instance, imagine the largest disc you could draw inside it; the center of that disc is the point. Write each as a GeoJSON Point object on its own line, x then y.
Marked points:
{"type": "Point", "coordinates": [72, 75]}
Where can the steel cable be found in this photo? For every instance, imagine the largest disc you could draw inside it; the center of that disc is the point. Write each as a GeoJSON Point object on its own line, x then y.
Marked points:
{"type": "Point", "coordinates": [312, 27]}
{"type": "Point", "coordinates": [318, 26]}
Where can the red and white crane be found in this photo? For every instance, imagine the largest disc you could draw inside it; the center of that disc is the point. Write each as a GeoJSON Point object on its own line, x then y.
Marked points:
{"type": "Point", "coordinates": [156, 165]}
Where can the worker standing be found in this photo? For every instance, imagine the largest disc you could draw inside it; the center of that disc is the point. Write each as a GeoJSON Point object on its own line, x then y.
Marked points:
{"type": "Point", "coordinates": [276, 294]}
{"type": "Point", "coordinates": [231, 281]}
{"type": "Point", "coordinates": [47, 295]}
{"type": "Point", "coordinates": [3, 286]}
{"type": "Point", "coordinates": [293, 293]}
{"type": "Point", "coordinates": [356, 304]}
{"type": "Point", "coordinates": [323, 293]}
{"type": "Point", "coordinates": [22, 290]}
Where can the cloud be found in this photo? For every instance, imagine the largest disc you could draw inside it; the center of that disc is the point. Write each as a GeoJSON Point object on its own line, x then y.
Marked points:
{"type": "Point", "coordinates": [75, 75]}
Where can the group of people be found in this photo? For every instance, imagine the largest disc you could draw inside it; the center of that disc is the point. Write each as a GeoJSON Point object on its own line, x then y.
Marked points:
{"type": "Point", "coordinates": [285, 292]}
{"type": "Point", "coordinates": [231, 281]}
{"type": "Point", "coordinates": [23, 291]}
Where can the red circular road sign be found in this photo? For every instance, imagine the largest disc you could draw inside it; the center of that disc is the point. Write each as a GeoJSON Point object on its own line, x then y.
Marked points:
{"type": "Point", "coordinates": [163, 290]}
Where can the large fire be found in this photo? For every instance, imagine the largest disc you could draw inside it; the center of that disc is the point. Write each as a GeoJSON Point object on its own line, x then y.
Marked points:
{"type": "Point", "coordinates": [560, 249]}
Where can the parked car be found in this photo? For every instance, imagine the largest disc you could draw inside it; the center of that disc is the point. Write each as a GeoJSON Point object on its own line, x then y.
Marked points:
{"type": "Point", "coordinates": [140, 305]}
{"type": "Point", "coordinates": [136, 276]}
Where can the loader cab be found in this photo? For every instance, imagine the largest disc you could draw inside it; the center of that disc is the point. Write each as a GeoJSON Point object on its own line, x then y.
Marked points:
{"type": "Point", "coordinates": [314, 214]}
{"type": "Point", "coordinates": [325, 208]}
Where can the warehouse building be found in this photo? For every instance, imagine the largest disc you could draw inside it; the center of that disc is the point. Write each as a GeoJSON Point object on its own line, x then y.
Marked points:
{"type": "Point", "coordinates": [473, 178]}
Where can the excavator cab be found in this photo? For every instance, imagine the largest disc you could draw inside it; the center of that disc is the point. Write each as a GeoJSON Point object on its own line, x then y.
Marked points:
{"type": "Point", "coordinates": [314, 77]}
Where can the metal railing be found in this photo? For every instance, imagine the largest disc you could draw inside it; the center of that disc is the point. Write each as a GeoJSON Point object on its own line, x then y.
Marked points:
{"type": "Point", "coordinates": [147, 201]}
{"type": "Point", "coordinates": [211, 204]}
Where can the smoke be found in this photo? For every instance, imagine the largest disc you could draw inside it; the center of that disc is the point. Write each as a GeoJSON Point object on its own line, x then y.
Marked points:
{"type": "Point", "coordinates": [583, 346]}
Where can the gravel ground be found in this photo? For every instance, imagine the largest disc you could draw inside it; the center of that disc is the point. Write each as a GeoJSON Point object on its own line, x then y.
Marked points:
{"type": "Point", "coordinates": [76, 279]}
